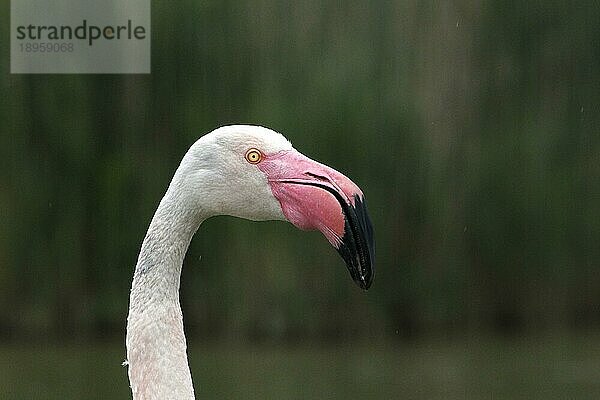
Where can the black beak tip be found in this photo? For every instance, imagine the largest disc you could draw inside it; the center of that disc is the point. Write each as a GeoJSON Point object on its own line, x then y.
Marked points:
{"type": "Point", "coordinates": [364, 282]}
{"type": "Point", "coordinates": [358, 245]}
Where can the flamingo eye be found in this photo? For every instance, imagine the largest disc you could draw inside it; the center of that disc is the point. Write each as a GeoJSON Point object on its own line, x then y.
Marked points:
{"type": "Point", "coordinates": [254, 156]}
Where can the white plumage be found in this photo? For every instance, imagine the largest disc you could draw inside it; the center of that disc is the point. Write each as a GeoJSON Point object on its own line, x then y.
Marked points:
{"type": "Point", "coordinates": [215, 177]}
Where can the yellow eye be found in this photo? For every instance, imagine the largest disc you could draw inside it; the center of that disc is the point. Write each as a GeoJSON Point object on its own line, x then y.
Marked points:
{"type": "Point", "coordinates": [254, 156]}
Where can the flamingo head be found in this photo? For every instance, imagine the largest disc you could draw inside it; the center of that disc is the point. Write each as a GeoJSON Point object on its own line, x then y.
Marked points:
{"type": "Point", "coordinates": [254, 173]}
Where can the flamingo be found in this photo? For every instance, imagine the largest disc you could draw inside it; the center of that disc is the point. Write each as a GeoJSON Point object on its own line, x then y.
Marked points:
{"type": "Point", "coordinates": [245, 171]}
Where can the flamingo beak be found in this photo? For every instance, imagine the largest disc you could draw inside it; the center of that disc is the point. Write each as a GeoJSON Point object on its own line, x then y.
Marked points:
{"type": "Point", "coordinates": [314, 196]}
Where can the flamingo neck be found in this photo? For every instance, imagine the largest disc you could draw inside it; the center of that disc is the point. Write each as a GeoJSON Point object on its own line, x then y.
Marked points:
{"type": "Point", "coordinates": [156, 344]}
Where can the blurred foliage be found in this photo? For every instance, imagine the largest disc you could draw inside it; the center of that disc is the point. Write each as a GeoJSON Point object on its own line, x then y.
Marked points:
{"type": "Point", "coordinates": [472, 127]}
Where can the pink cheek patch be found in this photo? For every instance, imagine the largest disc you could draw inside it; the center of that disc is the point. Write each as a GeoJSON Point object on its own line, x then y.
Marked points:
{"type": "Point", "coordinates": [308, 207]}
{"type": "Point", "coordinates": [311, 208]}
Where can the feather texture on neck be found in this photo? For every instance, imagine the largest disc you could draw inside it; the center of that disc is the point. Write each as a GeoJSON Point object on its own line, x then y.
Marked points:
{"type": "Point", "coordinates": [156, 345]}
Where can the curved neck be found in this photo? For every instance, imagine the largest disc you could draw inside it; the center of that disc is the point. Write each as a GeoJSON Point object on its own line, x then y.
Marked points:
{"type": "Point", "coordinates": [156, 345]}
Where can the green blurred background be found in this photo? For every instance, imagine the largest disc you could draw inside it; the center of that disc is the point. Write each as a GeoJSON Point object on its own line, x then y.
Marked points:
{"type": "Point", "coordinates": [473, 127]}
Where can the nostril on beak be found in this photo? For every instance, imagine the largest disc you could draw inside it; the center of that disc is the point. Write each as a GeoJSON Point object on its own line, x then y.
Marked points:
{"type": "Point", "coordinates": [317, 177]}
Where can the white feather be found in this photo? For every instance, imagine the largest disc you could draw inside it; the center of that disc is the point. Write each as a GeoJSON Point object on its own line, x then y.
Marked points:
{"type": "Point", "coordinates": [213, 179]}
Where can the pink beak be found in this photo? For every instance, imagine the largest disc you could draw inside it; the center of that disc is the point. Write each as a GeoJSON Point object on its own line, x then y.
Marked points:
{"type": "Point", "coordinates": [314, 196]}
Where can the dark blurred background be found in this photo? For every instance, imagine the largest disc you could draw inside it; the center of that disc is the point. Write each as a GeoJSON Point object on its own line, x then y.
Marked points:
{"type": "Point", "coordinates": [473, 127]}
